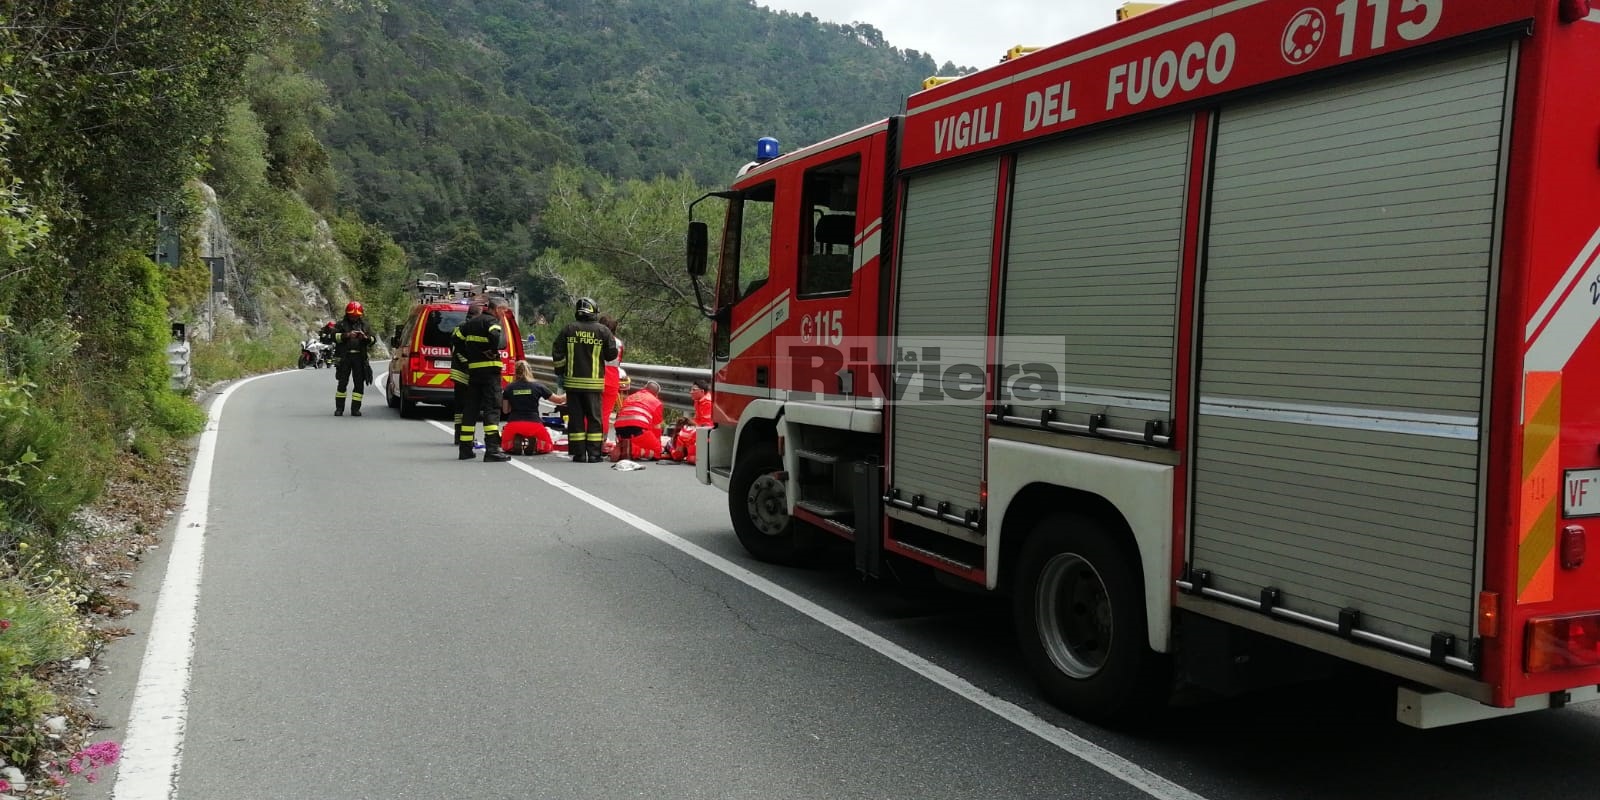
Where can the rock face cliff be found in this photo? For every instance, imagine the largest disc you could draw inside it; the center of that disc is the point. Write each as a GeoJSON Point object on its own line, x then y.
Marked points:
{"type": "Point", "coordinates": [261, 292]}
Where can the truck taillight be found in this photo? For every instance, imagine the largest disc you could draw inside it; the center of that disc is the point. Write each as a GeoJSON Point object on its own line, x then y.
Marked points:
{"type": "Point", "coordinates": [1563, 643]}
{"type": "Point", "coordinates": [1573, 547]}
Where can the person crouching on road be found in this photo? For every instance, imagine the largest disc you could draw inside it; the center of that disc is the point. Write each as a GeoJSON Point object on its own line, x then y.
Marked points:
{"type": "Point", "coordinates": [580, 354]}
{"type": "Point", "coordinates": [524, 429]}
{"type": "Point", "coordinates": [352, 340]}
{"type": "Point", "coordinates": [639, 425]}
{"type": "Point", "coordinates": [475, 350]}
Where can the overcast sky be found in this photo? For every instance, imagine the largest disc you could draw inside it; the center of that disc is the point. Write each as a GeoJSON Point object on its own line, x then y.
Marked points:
{"type": "Point", "coordinates": [969, 32]}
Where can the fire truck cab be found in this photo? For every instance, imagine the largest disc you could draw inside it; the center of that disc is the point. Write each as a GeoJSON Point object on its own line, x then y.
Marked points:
{"type": "Point", "coordinates": [1231, 326]}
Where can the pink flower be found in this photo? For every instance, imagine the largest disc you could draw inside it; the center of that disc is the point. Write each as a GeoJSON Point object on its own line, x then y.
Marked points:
{"type": "Point", "coordinates": [101, 754]}
{"type": "Point", "coordinates": [5, 785]}
{"type": "Point", "coordinates": [5, 625]}
{"type": "Point", "coordinates": [98, 754]}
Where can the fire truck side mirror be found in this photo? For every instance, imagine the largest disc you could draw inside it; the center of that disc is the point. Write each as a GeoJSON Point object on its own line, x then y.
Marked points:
{"type": "Point", "coordinates": [697, 249]}
{"type": "Point", "coordinates": [394, 340]}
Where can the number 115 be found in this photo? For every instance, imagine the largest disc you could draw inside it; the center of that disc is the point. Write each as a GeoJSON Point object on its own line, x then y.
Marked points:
{"type": "Point", "coordinates": [1416, 19]}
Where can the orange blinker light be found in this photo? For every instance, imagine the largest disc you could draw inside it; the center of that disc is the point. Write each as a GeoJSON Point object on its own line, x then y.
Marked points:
{"type": "Point", "coordinates": [1489, 614]}
{"type": "Point", "coordinates": [1556, 643]}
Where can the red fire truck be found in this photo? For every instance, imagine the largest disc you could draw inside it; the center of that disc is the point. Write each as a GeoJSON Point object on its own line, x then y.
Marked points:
{"type": "Point", "coordinates": [1240, 326]}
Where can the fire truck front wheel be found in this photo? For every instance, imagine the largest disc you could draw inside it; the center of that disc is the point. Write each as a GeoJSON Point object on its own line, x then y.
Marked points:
{"type": "Point", "coordinates": [1079, 610]}
{"type": "Point", "coordinates": [758, 505]}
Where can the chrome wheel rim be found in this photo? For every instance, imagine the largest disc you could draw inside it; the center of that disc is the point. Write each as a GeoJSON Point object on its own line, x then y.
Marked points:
{"type": "Point", "coordinates": [1074, 616]}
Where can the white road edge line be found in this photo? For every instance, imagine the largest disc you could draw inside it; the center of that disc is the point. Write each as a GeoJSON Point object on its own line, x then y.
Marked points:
{"type": "Point", "coordinates": [153, 748]}
{"type": "Point", "coordinates": [1118, 767]}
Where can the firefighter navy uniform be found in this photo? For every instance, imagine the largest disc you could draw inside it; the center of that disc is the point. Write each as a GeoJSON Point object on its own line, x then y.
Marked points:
{"type": "Point", "coordinates": [351, 341]}
{"type": "Point", "coordinates": [580, 354]}
{"type": "Point", "coordinates": [475, 364]}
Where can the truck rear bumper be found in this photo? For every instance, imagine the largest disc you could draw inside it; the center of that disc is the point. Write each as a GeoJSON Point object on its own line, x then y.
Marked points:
{"type": "Point", "coordinates": [445, 396]}
{"type": "Point", "coordinates": [1421, 708]}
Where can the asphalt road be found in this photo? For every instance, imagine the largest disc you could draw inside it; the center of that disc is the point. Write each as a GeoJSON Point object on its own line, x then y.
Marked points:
{"type": "Point", "coordinates": [375, 619]}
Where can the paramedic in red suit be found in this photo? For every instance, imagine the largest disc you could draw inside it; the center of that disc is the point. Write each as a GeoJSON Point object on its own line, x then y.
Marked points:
{"type": "Point", "coordinates": [639, 425]}
{"type": "Point", "coordinates": [682, 446]}
{"type": "Point", "coordinates": [700, 393]}
{"type": "Point", "coordinates": [520, 404]}
{"type": "Point", "coordinates": [608, 398]}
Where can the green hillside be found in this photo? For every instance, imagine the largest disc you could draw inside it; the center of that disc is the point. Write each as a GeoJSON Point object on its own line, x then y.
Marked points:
{"type": "Point", "coordinates": [449, 114]}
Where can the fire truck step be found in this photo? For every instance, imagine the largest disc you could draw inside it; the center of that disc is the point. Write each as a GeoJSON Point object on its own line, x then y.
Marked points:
{"type": "Point", "coordinates": [817, 456]}
{"type": "Point", "coordinates": [825, 508]}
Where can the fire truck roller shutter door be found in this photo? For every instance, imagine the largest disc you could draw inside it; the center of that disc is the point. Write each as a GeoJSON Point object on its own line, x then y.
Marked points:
{"type": "Point", "coordinates": [1095, 268]}
{"type": "Point", "coordinates": [1346, 300]}
{"type": "Point", "coordinates": [941, 319]}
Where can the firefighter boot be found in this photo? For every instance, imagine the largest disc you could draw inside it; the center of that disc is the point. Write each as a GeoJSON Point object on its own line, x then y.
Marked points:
{"type": "Point", "coordinates": [464, 451]}
{"type": "Point", "coordinates": [577, 448]}
{"type": "Point", "coordinates": [338, 406]}
{"type": "Point", "coordinates": [491, 449]}
{"type": "Point", "coordinates": [355, 408]}
{"type": "Point", "coordinates": [597, 453]}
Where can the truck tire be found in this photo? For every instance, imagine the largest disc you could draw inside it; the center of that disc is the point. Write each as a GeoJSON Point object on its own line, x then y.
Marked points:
{"type": "Point", "coordinates": [757, 504]}
{"type": "Point", "coordinates": [389, 396]}
{"type": "Point", "coordinates": [1078, 604]}
{"type": "Point", "coordinates": [408, 407]}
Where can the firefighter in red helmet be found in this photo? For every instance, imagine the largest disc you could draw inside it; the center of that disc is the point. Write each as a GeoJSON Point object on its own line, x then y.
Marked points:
{"type": "Point", "coordinates": [352, 340]}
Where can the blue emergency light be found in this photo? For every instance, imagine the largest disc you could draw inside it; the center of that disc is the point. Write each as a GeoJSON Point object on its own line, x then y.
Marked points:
{"type": "Point", "coordinates": [766, 149]}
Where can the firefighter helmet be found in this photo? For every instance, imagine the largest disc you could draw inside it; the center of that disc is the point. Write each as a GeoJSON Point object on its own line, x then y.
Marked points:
{"type": "Point", "coordinates": [353, 309]}
{"type": "Point", "coordinates": [587, 310]}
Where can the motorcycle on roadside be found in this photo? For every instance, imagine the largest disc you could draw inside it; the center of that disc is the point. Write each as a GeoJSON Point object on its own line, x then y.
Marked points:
{"type": "Point", "coordinates": [315, 354]}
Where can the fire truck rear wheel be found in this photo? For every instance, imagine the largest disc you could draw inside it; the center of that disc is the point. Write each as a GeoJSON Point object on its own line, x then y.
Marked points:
{"type": "Point", "coordinates": [758, 505]}
{"type": "Point", "coordinates": [1079, 608]}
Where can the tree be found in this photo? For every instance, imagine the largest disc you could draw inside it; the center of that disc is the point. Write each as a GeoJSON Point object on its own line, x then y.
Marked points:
{"type": "Point", "coordinates": [623, 240]}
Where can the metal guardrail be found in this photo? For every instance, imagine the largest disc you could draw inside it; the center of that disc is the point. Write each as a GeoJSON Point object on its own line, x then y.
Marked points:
{"type": "Point", "coordinates": [675, 381]}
